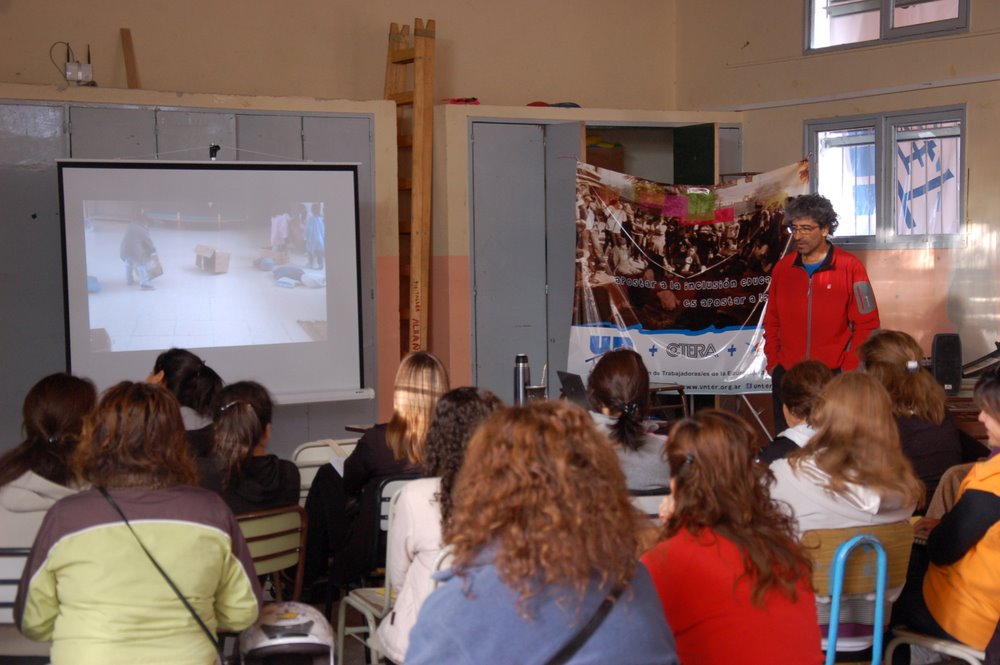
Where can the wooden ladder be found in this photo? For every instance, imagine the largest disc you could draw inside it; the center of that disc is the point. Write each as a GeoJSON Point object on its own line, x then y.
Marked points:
{"type": "Point", "coordinates": [414, 130]}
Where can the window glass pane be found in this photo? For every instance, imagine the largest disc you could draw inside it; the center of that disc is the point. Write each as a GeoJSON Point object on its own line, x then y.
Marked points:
{"type": "Point", "coordinates": [927, 170]}
{"type": "Point", "coordinates": [923, 11]}
{"type": "Point", "coordinates": [845, 174]}
{"type": "Point", "coordinates": [844, 22]}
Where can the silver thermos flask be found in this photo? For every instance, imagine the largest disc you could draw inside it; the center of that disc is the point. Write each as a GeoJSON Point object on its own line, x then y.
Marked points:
{"type": "Point", "coordinates": [522, 377]}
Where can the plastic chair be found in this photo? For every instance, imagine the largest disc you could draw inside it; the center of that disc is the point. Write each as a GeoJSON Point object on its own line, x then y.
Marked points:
{"type": "Point", "coordinates": [903, 635]}
{"type": "Point", "coordinates": [373, 603]}
{"type": "Point", "coordinates": [277, 541]}
{"type": "Point", "coordinates": [845, 577]}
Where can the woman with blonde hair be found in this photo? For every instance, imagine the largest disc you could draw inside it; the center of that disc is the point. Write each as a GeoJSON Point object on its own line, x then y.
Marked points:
{"type": "Point", "coordinates": [929, 439]}
{"type": "Point", "coordinates": [729, 570]}
{"type": "Point", "coordinates": [544, 540]}
{"type": "Point", "coordinates": [91, 585]}
{"type": "Point", "coordinates": [387, 449]}
{"type": "Point", "coordinates": [853, 471]}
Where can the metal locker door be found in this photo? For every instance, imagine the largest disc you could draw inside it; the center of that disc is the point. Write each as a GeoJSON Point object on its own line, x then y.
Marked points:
{"type": "Point", "coordinates": [508, 251]}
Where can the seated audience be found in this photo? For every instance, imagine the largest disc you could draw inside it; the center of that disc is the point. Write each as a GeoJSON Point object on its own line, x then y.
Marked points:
{"type": "Point", "coordinates": [37, 473]}
{"type": "Point", "coordinates": [241, 470]}
{"type": "Point", "coordinates": [959, 596]}
{"type": "Point", "coordinates": [196, 386]}
{"type": "Point", "coordinates": [90, 587]}
{"type": "Point", "coordinates": [730, 572]}
{"type": "Point", "coordinates": [340, 520]}
{"type": "Point", "coordinates": [799, 390]}
{"type": "Point", "coordinates": [853, 471]}
{"type": "Point", "coordinates": [423, 505]}
{"type": "Point", "coordinates": [544, 539]}
{"type": "Point", "coordinates": [929, 438]}
{"type": "Point", "coordinates": [618, 389]}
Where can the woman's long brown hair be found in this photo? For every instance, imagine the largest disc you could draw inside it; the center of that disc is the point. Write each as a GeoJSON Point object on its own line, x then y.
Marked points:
{"type": "Point", "coordinates": [718, 486]}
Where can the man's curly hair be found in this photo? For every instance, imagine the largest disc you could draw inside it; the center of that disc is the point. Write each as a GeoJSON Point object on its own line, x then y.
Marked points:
{"type": "Point", "coordinates": [456, 416]}
{"type": "Point", "coordinates": [816, 206]}
{"type": "Point", "coordinates": [541, 488]}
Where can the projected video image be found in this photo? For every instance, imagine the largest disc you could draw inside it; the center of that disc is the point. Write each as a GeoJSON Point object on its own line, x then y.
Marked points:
{"type": "Point", "coordinates": [203, 274]}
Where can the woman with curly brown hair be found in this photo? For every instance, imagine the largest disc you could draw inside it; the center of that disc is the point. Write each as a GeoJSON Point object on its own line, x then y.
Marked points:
{"type": "Point", "coordinates": [730, 572]}
{"type": "Point", "coordinates": [853, 471]}
{"type": "Point", "coordinates": [544, 538]}
{"type": "Point", "coordinates": [90, 586]}
{"type": "Point", "coordinates": [423, 506]}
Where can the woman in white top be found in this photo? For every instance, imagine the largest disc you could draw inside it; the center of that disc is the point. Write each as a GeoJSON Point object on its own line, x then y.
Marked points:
{"type": "Point", "coordinates": [37, 473]}
{"type": "Point", "coordinates": [853, 471]}
{"type": "Point", "coordinates": [618, 390]}
{"type": "Point", "coordinates": [423, 506]}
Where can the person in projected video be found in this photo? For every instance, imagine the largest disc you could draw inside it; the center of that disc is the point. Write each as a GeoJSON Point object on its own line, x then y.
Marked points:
{"type": "Point", "coordinates": [315, 237]}
{"type": "Point", "coordinates": [137, 251]}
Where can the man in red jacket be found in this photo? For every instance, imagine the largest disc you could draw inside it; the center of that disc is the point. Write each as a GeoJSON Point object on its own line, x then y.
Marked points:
{"type": "Point", "coordinates": [820, 302]}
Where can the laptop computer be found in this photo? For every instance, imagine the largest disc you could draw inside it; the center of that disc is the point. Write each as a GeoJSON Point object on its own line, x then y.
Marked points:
{"type": "Point", "coordinates": [573, 389]}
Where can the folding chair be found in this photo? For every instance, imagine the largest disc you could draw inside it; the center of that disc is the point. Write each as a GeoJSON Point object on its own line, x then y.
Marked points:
{"type": "Point", "coordinates": [310, 456]}
{"type": "Point", "coordinates": [855, 585]}
{"type": "Point", "coordinates": [373, 603]}
{"type": "Point", "coordinates": [12, 643]}
{"type": "Point", "coordinates": [277, 541]}
{"type": "Point", "coordinates": [443, 561]}
{"type": "Point", "coordinates": [648, 501]}
{"type": "Point", "coordinates": [954, 649]}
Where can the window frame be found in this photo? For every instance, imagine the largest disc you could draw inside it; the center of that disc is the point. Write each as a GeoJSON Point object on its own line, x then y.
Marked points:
{"type": "Point", "coordinates": [888, 34]}
{"type": "Point", "coordinates": [885, 124]}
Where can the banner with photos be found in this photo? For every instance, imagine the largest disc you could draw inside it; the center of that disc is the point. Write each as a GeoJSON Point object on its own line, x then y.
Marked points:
{"type": "Point", "coordinates": [679, 273]}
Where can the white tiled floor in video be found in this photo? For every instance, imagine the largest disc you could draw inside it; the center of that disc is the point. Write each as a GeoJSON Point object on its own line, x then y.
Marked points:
{"type": "Point", "coordinates": [190, 308]}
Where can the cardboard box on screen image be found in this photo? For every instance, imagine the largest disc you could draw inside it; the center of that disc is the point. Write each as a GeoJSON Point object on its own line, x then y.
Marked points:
{"type": "Point", "coordinates": [211, 259]}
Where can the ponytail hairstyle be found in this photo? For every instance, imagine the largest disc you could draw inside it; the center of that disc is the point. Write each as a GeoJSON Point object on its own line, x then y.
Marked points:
{"type": "Point", "coordinates": [619, 384]}
{"type": "Point", "coordinates": [893, 357]}
{"type": "Point", "coordinates": [52, 419]}
{"type": "Point", "coordinates": [240, 422]}
{"type": "Point", "coordinates": [193, 383]}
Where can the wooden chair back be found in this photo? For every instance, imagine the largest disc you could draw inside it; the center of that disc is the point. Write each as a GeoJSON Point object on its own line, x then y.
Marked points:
{"type": "Point", "coordinates": [277, 541]}
{"type": "Point", "coordinates": [859, 573]}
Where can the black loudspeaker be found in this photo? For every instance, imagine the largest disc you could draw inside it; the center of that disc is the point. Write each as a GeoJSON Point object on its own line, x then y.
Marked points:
{"type": "Point", "coordinates": [946, 361]}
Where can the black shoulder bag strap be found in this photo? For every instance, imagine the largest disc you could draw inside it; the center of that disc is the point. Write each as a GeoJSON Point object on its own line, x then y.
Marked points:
{"type": "Point", "coordinates": [580, 638]}
{"type": "Point", "coordinates": [205, 629]}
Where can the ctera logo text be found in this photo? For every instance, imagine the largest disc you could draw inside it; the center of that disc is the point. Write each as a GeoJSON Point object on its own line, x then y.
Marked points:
{"type": "Point", "coordinates": [675, 349]}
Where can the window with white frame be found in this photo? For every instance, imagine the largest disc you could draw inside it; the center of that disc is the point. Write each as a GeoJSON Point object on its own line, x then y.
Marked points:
{"type": "Point", "coordinates": [894, 179]}
{"type": "Point", "coordinates": [854, 22]}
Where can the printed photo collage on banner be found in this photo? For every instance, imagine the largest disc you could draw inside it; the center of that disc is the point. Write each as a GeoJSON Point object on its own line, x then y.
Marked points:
{"type": "Point", "coordinates": [679, 273]}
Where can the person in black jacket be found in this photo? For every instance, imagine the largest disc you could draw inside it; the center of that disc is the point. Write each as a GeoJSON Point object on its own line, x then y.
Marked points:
{"type": "Point", "coordinates": [242, 471]}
